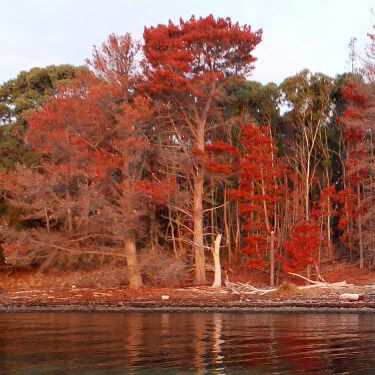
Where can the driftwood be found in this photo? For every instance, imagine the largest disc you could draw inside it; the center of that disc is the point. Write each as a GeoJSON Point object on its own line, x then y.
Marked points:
{"type": "Point", "coordinates": [241, 288]}
{"type": "Point", "coordinates": [320, 284]}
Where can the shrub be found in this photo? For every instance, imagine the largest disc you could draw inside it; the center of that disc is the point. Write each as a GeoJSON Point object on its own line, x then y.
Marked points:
{"type": "Point", "coordinates": [158, 268]}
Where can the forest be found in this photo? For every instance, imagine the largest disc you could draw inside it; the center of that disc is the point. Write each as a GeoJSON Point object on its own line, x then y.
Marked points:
{"type": "Point", "coordinates": [157, 149]}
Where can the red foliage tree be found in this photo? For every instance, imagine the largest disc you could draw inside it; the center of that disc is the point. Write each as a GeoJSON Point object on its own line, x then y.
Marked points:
{"type": "Point", "coordinates": [302, 248]}
{"type": "Point", "coordinates": [91, 178]}
{"type": "Point", "coordinates": [357, 126]}
{"type": "Point", "coordinates": [116, 62]}
{"type": "Point", "coordinates": [258, 192]}
{"type": "Point", "coordinates": [186, 67]}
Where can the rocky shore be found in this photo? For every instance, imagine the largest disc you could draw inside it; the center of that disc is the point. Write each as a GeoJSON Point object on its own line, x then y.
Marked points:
{"type": "Point", "coordinates": [189, 299]}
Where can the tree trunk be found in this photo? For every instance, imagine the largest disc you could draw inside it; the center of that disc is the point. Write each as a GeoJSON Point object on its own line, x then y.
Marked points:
{"type": "Point", "coordinates": [264, 202]}
{"type": "Point", "coordinates": [227, 227]}
{"type": "Point", "coordinates": [47, 218]}
{"type": "Point", "coordinates": [173, 237]}
{"type": "Point", "coordinates": [238, 229]}
{"type": "Point", "coordinates": [272, 259]}
{"type": "Point", "coordinates": [134, 272]}
{"type": "Point", "coordinates": [308, 271]}
{"type": "Point", "coordinates": [200, 268]}
{"type": "Point", "coordinates": [360, 231]}
{"type": "Point", "coordinates": [216, 254]}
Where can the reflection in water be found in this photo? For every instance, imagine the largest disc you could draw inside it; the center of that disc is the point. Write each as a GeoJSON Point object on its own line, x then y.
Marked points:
{"type": "Point", "coordinates": [217, 358]}
{"type": "Point", "coordinates": [153, 343]}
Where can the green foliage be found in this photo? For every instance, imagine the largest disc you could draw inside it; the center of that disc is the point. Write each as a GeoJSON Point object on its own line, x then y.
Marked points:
{"type": "Point", "coordinates": [306, 94]}
{"type": "Point", "coordinates": [13, 150]}
{"type": "Point", "coordinates": [261, 102]}
{"type": "Point", "coordinates": [32, 89]}
{"type": "Point", "coordinates": [18, 97]}
{"type": "Point", "coordinates": [250, 101]}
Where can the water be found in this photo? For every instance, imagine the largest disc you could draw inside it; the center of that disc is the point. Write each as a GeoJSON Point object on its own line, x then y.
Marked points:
{"type": "Point", "coordinates": [186, 343]}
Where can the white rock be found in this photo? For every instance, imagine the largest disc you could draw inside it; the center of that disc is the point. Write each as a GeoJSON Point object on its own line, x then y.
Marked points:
{"type": "Point", "coordinates": [351, 297]}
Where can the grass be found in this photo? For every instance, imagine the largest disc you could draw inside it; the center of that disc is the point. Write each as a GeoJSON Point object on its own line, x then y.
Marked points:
{"type": "Point", "coordinates": [287, 288]}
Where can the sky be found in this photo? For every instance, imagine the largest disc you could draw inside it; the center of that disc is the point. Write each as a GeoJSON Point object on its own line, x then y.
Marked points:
{"type": "Point", "coordinates": [297, 34]}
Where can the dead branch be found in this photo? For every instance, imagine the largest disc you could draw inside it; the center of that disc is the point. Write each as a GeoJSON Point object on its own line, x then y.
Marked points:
{"type": "Point", "coordinates": [320, 283]}
{"type": "Point", "coordinates": [241, 288]}
{"type": "Point", "coordinates": [305, 278]}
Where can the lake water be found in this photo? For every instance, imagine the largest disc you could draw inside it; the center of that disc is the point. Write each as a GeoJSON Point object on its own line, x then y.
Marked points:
{"type": "Point", "coordinates": [186, 343]}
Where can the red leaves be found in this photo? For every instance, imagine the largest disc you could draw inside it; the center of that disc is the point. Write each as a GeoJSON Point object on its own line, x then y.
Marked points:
{"type": "Point", "coordinates": [188, 56]}
{"type": "Point", "coordinates": [219, 168]}
{"type": "Point", "coordinates": [220, 146]}
{"type": "Point", "coordinates": [91, 130]}
{"type": "Point", "coordinates": [10, 247]}
{"type": "Point", "coordinates": [354, 93]}
{"type": "Point", "coordinates": [258, 191]}
{"type": "Point", "coordinates": [303, 246]}
{"type": "Point", "coordinates": [155, 191]}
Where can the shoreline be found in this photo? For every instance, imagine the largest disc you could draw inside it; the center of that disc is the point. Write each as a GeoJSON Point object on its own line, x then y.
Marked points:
{"type": "Point", "coordinates": [203, 299]}
{"type": "Point", "coordinates": [300, 307]}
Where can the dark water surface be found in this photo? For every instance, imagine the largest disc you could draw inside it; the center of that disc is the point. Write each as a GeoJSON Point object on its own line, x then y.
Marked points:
{"type": "Point", "coordinates": [186, 343]}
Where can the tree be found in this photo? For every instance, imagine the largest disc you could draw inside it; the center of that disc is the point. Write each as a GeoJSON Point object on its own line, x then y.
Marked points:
{"type": "Point", "coordinates": [91, 191]}
{"type": "Point", "coordinates": [258, 192]}
{"type": "Point", "coordinates": [250, 98]}
{"type": "Point", "coordinates": [30, 90]}
{"type": "Point", "coordinates": [308, 96]}
{"type": "Point", "coordinates": [357, 128]}
{"type": "Point", "coordinates": [303, 247]}
{"type": "Point", "coordinates": [187, 66]}
{"type": "Point", "coordinates": [19, 96]}
{"type": "Point", "coordinates": [116, 62]}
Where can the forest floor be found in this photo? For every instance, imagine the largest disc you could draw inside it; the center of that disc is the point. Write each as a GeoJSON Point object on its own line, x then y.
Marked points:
{"type": "Point", "coordinates": [27, 290]}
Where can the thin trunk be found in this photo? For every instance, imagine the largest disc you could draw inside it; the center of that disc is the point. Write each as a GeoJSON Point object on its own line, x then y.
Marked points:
{"type": "Point", "coordinates": [307, 202]}
{"type": "Point", "coordinates": [320, 242]}
{"type": "Point", "coordinates": [329, 234]}
{"type": "Point", "coordinates": [213, 224]}
{"type": "Point", "coordinates": [238, 228]}
{"type": "Point", "coordinates": [360, 230]}
{"type": "Point", "coordinates": [272, 259]}
{"type": "Point", "coordinates": [69, 213]}
{"type": "Point", "coordinates": [264, 202]}
{"type": "Point", "coordinates": [47, 218]}
{"type": "Point", "coordinates": [308, 271]}
{"type": "Point", "coordinates": [227, 227]}
{"type": "Point", "coordinates": [170, 224]}
{"type": "Point", "coordinates": [153, 231]}
{"type": "Point", "coordinates": [181, 246]}
{"type": "Point", "coordinates": [329, 230]}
